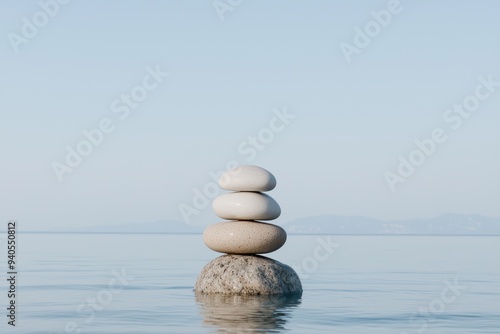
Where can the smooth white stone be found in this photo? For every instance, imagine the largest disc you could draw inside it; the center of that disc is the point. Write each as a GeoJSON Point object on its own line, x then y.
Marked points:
{"type": "Point", "coordinates": [246, 206]}
{"type": "Point", "coordinates": [247, 178]}
{"type": "Point", "coordinates": [244, 237]}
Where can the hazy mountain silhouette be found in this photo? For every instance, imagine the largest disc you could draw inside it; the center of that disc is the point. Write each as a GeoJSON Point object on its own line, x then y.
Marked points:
{"type": "Point", "coordinates": [446, 224]}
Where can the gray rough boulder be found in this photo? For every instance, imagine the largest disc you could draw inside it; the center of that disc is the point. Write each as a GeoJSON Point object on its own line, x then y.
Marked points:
{"type": "Point", "coordinates": [247, 275]}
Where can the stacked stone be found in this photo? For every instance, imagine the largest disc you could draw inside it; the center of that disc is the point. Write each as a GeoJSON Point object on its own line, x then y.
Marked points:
{"type": "Point", "coordinates": [242, 271]}
{"type": "Point", "coordinates": [245, 234]}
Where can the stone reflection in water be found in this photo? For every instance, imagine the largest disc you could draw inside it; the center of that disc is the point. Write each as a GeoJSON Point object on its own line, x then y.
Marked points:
{"type": "Point", "coordinates": [247, 314]}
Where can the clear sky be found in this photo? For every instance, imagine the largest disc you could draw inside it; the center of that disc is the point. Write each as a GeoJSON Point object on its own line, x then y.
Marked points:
{"type": "Point", "coordinates": [352, 114]}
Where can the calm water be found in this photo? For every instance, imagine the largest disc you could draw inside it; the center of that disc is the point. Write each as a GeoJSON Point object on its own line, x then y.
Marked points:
{"type": "Point", "coordinates": [106, 283]}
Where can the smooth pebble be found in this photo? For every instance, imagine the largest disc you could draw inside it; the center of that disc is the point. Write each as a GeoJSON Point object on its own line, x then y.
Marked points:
{"type": "Point", "coordinates": [244, 237]}
{"type": "Point", "coordinates": [246, 206]}
{"type": "Point", "coordinates": [247, 178]}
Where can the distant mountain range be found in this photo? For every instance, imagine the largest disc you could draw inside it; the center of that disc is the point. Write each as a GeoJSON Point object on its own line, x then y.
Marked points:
{"type": "Point", "coordinates": [446, 224]}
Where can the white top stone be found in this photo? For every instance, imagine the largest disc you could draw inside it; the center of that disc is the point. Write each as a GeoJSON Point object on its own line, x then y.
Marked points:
{"type": "Point", "coordinates": [246, 206]}
{"type": "Point", "coordinates": [247, 178]}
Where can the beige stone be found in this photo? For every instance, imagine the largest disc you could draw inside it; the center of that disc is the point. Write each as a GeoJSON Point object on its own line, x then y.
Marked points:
{"type": "Point", "coordinates": [244, 237]}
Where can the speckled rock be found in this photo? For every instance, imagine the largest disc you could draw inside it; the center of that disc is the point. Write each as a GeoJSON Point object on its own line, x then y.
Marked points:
{"type": "Point", "coordinates": [246, 206]}
{"type": "Point", "coordinates": [247, 178]}
{"type": "Point", "coordinates": [247, 275]}
{"type": "Point", "coordinates": [244, 237]}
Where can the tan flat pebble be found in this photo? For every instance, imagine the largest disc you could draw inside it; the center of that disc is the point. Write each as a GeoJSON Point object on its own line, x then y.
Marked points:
{"type": "Point", "coordinates": [244, 237]}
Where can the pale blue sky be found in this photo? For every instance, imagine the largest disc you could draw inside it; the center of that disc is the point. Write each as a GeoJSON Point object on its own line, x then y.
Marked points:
{"type": "Point", "coordinates": [353, 120]}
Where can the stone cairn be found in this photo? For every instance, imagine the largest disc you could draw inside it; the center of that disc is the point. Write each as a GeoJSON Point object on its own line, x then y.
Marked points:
{"type": "Point", "coordinates": [242, 271]}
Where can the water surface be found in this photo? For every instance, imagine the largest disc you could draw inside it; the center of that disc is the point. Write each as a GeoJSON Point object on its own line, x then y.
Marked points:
{"type": "Point", "coordinates": [124, 283]}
